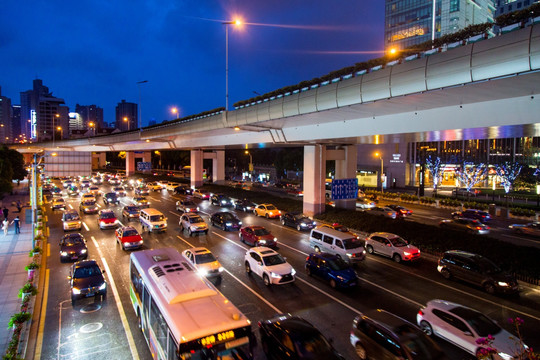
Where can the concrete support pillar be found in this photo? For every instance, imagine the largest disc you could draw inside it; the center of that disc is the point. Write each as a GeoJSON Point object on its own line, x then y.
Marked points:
{"type": "Point", "coordinates": [196, 168]}
{"type": "Point", "coordinates": [314, 178]}
{"type": "Point", "coordinates": [218, 167]}
{"type": "Point", "coordinates": [147, 156]}
{"type": "Point", "coordinates": [346, 159]}
{"type": "Point", "coordinates": [130, 163]}
{"type": "Point", "coordinates": [100, 160]}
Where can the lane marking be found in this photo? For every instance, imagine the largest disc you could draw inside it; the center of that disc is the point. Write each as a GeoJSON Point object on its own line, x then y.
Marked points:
{"type": "Point", "coordinates": [175, 213]}
{"type": "Point", "coordinates": [95, 243]}
{"type": "Point", "coordinates": [48, 249]}
{"type": "Point", "coordinates": [39, 342]}
{"type": "Point", "coordinates": [86, 226]}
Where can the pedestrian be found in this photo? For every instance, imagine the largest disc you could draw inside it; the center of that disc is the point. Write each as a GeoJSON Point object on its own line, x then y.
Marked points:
{"type": "Point", "coordinates": [17, 223]}
{"type": "Point", "coordinates": [5, 225]}
{"type": "Point", "coordinates": [6, 212]}
{"type": "Point", "coordinates": [19, 206]}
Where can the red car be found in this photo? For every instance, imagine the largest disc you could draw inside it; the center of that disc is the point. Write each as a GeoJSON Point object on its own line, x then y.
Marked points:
{"type": "Point", "coordinates": [128, 237]}
{"type": "Point", "coordinates": [257, 236]}
{"type": "Point", "coordinates": [107, 219]}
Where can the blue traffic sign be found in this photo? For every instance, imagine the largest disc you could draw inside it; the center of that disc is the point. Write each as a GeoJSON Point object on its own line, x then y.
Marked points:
{"type": "Point", "coordinates": [144, 166]}
{"type": "Point", "coordinates": [343, 189]}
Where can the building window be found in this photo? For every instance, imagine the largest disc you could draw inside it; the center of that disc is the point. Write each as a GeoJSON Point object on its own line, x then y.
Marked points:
{"type": "Point", "coordinates": [454, 5]}
{"type": "Point", "coordinates": [518, 5]}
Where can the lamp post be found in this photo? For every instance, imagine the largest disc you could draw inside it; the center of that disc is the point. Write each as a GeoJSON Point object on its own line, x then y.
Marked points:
{"type": "Point", "coordinates": [126, 120]}
{"type": "Point", "coordinates": [139, 106]}
{"type": "Point", "coordinates": [59, 128]}
{"type": "Point", "coordinates": [157, 152]}
{"type": "Point", "coordinates": [226, 23]}
{"type": "Point", "coordinates": [53, 127]}
{"type": "Point", "coordinates": [175, 112]}
{"type": "Point", "coordinates": [250, 168]}
{"type": "Point", "coordinates": [92, 126]}
{"type": "Point", "coordinates": [379, 155]}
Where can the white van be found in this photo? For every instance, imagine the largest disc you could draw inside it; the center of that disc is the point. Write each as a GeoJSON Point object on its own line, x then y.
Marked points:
{"type": "Point", "coordinates": [152, 220]}
{"type": "Point", "coordinates": [348, 247]}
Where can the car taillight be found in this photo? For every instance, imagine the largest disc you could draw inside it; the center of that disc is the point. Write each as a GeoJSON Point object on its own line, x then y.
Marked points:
{"type": "Point", "coordinates": [307, 258]}
{"type": "Point", "coordinates": [259, 324]}
{"type": "Point", "coordinates": [420, 312]}
{"type": "Point", "coordinates": [478, 228]}
{"type": "Point", "coordinates": [389, 214]}
{"type": "Point", "coordinates": [487, 227]}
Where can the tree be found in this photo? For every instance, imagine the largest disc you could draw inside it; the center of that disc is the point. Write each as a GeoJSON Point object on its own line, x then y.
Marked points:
{"type": "Point", "coordinates": [435, 167]}
{"type": "Point", "coordinates": [470, 174]}
{"type": "Point", "coordinates": [508, 172]}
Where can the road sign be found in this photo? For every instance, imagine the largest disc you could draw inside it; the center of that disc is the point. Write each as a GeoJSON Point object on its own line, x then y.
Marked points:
{"type": "Point", "coordinates": [344, 189]}
{"type": "Point", "coordinates": [144, 166]}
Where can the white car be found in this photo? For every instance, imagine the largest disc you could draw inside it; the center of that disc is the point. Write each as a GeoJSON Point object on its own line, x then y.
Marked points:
{"type": "Point", "coordinates": [269, 265]}
{"type": "Point", "coordinates": [365, 204]}
{"type": "Point", "coordinates": [171, 186]}
{"type": "Point", "coordinates": [119, 190]}
{"type": "Point", "coordinates": [462, 326]}
{"type": "Point", "coordinates": [194, 224]}
{"type": "Point", "coordinates": [203, 261]}
{"type": "Point", "coordinates": [383, 211]}
{"type": "Point", "coordinates": [392, 246]}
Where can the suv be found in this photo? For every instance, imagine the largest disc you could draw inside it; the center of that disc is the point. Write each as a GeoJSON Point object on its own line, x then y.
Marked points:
{"type": "Point", "coordinates": [269, 265]}
{"type": "Point", "coordinates": [346, 246]}
{"type": "Point", "coordinates": [110, 198]}
{"type": "Point", "coordinates": [71, 220]}
{"type": "Point", "coordinates": [380, 333]}
{"type": "Point", "coordinates": [226, 221]}
{"type": "Point", "coordinates": [296, 220]}
{"type": "Point", "coordinates": [476, 270]}
{"type": "Point", "coordinates": [194, 223]}
{"type": "Point", "coordinates": [86, 280]}
{"type": "Point", "coordinates": [187, 205]}
{"type": "Point", "coordinates": [332, 269]}
{"type": "Point", "coordinates": [392, 246]}
{"type": "Point", "coordinates": [221, 200]}
{"type": "Point", "coordinates": [475, 214]}
{"type": "Point", "coordinates": [152, 220]}
{"type": "Point", "coordinates": [130, 212]}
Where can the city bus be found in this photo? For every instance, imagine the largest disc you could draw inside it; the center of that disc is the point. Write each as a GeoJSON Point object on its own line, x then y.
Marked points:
{"type": "Point", "coordinates": [181, 314]}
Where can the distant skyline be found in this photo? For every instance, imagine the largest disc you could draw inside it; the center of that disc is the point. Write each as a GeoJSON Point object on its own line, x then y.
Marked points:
{"type": "Point", "coordinates": [96, 52]}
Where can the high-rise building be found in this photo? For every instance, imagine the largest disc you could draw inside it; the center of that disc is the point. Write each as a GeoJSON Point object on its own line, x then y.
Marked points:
{"type": "Point", "coordinates": [90, 113]}
{"type": "Point", "coordinates": [44, 112]}
{"type": "Point", "coordinates": [16, 123]}
{"type": "Point", "coordinates": [506, 6]}
{"type": "Point", "coordinates": [6, 134]}
{"type": "Point", "coordinates": [126, 116]}
{"type": "Point", "coordinates": [411, 22]}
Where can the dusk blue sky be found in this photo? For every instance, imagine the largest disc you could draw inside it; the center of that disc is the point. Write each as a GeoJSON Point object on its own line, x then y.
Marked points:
{"type": "Point", "coordinates": [94, 52]}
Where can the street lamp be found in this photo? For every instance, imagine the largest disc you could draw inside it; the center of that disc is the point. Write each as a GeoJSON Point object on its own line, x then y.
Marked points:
{"type": "Point", "coordinates": [59, 128]}
{"type": "Point", "coordinates": [250, 162]}
{"type": "Point", "coordinates": [140, 109]}
{"type": "Point", "coordinates": [157, 152]}
{"type": "Point", "coordinates": [91, 125]}
{"type": "Point", "coordinates": [53, 127]}
{"type": "Point", "coordinates": [237, 23]}
{"type": "Point", "coordinates": [126, 120]}
{"type": "Point", "coordinates": [176, 112]}
{"type": "Point", "coordinates": [382, 169]}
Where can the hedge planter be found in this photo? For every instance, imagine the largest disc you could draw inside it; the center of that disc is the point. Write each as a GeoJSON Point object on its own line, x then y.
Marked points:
{"type": "Point", "coordinates": [18, 319]}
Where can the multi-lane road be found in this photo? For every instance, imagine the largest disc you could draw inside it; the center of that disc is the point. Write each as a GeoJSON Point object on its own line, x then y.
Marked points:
{"type": "Point", "coordinates": [109, 328]}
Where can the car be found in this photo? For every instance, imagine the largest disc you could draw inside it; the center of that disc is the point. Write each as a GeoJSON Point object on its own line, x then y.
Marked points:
{"type": "Point", "coordinates": [463, 224]}
{"type": "Point", "coordinates": [114, 181]}
{"type": "Point", "coordinates": [296, 220]}
{"type": "Point", "coordinates": [154, 186]}
{"type": "Point", "coordinates": [171, 186]}
{"type": "Point", "coordinates": [97, 180]}
{"type": "Point", "coordinates": [130, 212]}
{"type": "Point", "coordinates": [291, 337]}
{"type": "Point", "coordinates": [331, 268]}
{"type": "Point", "coordinates": [267, 210]}
{"type": "Point", "coordinates": [183, 189]}
{"type": "Point", "coordinates": [141, 202]}
{"type": "Point", "coordinates": [142, 191]}
{"type": "Point", "coordinates": [364, 203]}
{"type": "Point", "coordinates": [392, 246]}
{"type": "Point", "coordinates": [162, 183]}
{"type": "Point", "coordinates": [401, 212]}
{"type": "Point", "coordinates": [269, 265]}
{"type": "Point", "coordinates": [463, 326]}
{"type": "Point", "coordinates": [86, 280]}
{"type": "Point", "coordinates": [338, 227]}
{"type": "Point", "coordinates": [87, 196]}
{"type": "Point", "coordinates": [187, 205]}
{"type": "Point", "coordinates": [221, 200]}
{"type": "Point", "coordinates": [67, 183]}
{"type": "Point", "coordinates": [110, 198]}
{"type": "Point", "coordinates": [94, 190]}
{"type": "Point", "coordinates": [379, 334]}
{"type": "Point", "coordinates": [107, 219]}
{"type": "Point", "coordinates": [347, 246]}
{"type": "Point", "coordinates": [194, 224]}
{"type": "Point", "coordinates": [128, 237]}
{"type": "Point", "coordinates": [73, 190]}
{"type": "Point", "coordinates": [56, 191]}
{"type": "Point", "coordinates": [225, 220]}
{"type": "Point", "coordinates": [257, 236]}
{"type": "Point", "coordinates": [532, 228]}
{"type": "Point", "coordinates": [201, 194]}
{"type": "Point", "coordinates": [477, 270]}
{"type": "Point", "coordinates": [85, 183]}
{"type": "Point", "coordinates": [464, 192]}
{"type": "Point", "coordinates": [244, 205]}
{"type": "Point", "coordinates": [295, 192]}
{"type": "Point", "coordinates": [119, 190]}
{"type": "Point", "coordinates": [73, 247]}
{"type": "Point", "coordinates": [475, 214]}
{"type": "Point", "coordinates": [88, 206]}
{"type": "Point", "coordinates": [71, 220]}
{"type": "Point", "coordinates": [203, 261]}
{"type": "Point", "coordinates": [58, 203]}
{"type": "Point", "coordinates": [383, 211]}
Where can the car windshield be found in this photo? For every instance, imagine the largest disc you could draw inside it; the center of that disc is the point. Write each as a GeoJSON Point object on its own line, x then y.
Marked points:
{"type": "Point", "coordinates": [398, 242]}
{"type": "Point", "coordinates": [157, 218]}
{"type": "Point", "coordinates": [261, 232]}
{"type": "Point", "coordinates": [59, 200]}
{"type": "Point", "coordinates": [132, 209]}
{"type": "Point", "coordinates": [110, 195]}
{"type": "Point", "coordinates": [71, 241]}
{"type": "Point", "coordinates": [189, 203]}
{"type": "Point", "coordinates": [71, 216]}
{"type": "Point", "coordinates": [204, 258]}
{"type": "Point", "coordinates": [312, 346]}
{"type": "Point", "coordinates": [89, 203]}
{"type": "Point", "coordinates": [140, 199]}
{"type": "Point", "coordinates": [481, 324]}
{"type": "Point", "coordinates": [195, 219]}
{"type": "Point", "coordinates": [271, 207]}
{"type": "Point", "coordinates": [130, 232]}
{"type": "Point", "coordinates": [352, 243]}
{"type": "Point", "coordinates": [86, 272]}
{"type": "Point", "coordinates": [338, 264]}
{"type": "Point", "coordinates": [275, 259]}
{"type": "Point", "coordinates": [420, 347]}
{"type": "Point", "coordinates": [107, 215]}
{"type": "Point", "coordinates": [228, 217]}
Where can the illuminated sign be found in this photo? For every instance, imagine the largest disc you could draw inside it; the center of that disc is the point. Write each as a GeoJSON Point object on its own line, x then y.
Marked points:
{"type": "Point", "coordinates": [414, 31]}
{"type": "Point", "coordinates": [396, 158]}
{"type": "Point", "coordinates": [217, 338]}
{"type": "Point", "coordinates": [33, 124]}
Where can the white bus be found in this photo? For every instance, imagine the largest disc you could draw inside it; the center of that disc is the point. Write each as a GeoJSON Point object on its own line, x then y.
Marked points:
{"type": "Point", "coordinates": [181, 314]}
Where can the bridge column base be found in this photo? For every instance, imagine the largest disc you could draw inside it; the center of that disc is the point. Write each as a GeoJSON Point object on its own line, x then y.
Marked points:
{"type": "Point", "coordinates": [314, 178]}
{"type": "Point", "coordinates": [196, 168]}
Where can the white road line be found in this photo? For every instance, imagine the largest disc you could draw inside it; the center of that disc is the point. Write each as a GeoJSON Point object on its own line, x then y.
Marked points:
{"type": "Point", "coordinates": [70, 206]}
{"type": "Point", "coordinates": [330, 296]}
{"type": "Point", "coordinates": [175, 213]}
{"type": "Point", "coordinates": [95, 242]}
{"type": "Point", "coordinates": [86, 226]}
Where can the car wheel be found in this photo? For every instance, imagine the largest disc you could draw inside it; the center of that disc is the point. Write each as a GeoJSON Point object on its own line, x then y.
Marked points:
{"type": "Point", "coordinates": [103, 296]}
{"type": "Point", "coordinates": [298, 227]}
{"type": "Point", "coordinates": [282, 222]}
{"type": "Point", "coordinates": [266, 280]}
{"type": "Point", "coordinates": [266, 216]}
{"type": "Point", "coordinates": [360, 351]}
{"type": "Point", "coordinates": [396, 258]}
{"type": "Point", "coordinates": [72, 301]}
{"type": "Point", "coordinates": [206, 232]}
{"type": "Point", "coordinates": [190, 233]}
{"type": "Point", "coordinates": [242, 239]}
{"type": "Point", "coordinates": [446, 274]}
{"type": "Point", "coordinates": [308, 271]}
{"type": "Point", "coordinates": [489, 288]}
{"type": "Point", "coordinates": [333, 283]}
{"type": "Point", "coordinates": [248, 268]}
{"type": "Point", "coordinates": [426, 328]}
{"type": "Point", "coordinates": [255, 212]}
{"type": "Point", "coordinates": [370, 249]}
{"type": "Point", "coordinates": [317, 249]}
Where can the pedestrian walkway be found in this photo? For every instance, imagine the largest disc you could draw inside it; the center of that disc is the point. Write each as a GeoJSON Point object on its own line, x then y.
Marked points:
{"type": "Point", "coordinates": [14, 249]}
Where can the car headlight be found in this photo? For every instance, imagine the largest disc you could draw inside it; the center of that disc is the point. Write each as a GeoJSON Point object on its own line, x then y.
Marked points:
{"type": "Point", "coordinates": [275, 275]}
{"type": "Point", "coordinates": [223, 201]}
{"type": "Point", "coordinates": [262, 241]}
{"type": "Point", "coordinates": [202, 272]}
{"type": "Point", "coordinates": [83, 251]}
{"type": "Point", "coordinates": [220, 269]}
{"type": "Point", "coordinates": [340, 278]}
{"type": "Point", "coordinates": [505, 356]}
{"type": "Point", "coordinates": [293, 272]}
{"type": "Point", "coordinates": [502, 283]}
{"type": "Point", "coordinates": [228, 224]}
{"type": "Point", "coordinates": [75, 291]}
{"type": "Point", "coordinates": [63, 253]}
{"type": "Point", "coordinates": [239, 223]}
{"type": "Point", "coordinates": [197, 208]}
{"type": "Point", "coordinates": [303, 224]}
{"type": "Point", "coordinates": [349, 255]}
{"type": "Point", "coordinates": [275, 239]}
{"type": "Point", "coordinates": [103, 286]}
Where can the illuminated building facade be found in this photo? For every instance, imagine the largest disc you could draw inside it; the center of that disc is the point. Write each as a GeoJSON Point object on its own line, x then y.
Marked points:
{"type": "Point", "coordinates": [128, 111]}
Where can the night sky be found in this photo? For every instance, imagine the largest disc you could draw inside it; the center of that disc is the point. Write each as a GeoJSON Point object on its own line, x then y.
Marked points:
{"type": "Point", "coordinates": [94, 52]}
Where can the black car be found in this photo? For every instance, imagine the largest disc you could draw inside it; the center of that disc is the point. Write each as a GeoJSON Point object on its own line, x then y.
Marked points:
{"type": "Point", "coordinates": [386, 336]}
{"type": "Point", "coordinates": [221, 200]}
{"type": "Point", "coordinates": [183, 189]}
{"type": "Point", "coordinates": [131, 212]}
{"type": "Point", "coordinates": [298, 221]}
{"type": "Point", "coordinates": [86, 280]}
{"type": "Point", "coordinates": [73, 247]}
{"type": "Point", "coordinates": [110, 198]}
{"type": "Point", "coordinates": [244, 205]}
{"type": "Point", "coordinates": [475, 214]}
{"type": "Point", "coordinates": [477, 270]}
{"type": "Point", "coordinates": [226, 221]}
{"type": "Point", "coordinates": [291, 337]}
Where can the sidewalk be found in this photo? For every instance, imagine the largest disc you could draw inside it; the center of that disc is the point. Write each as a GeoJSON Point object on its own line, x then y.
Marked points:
{"type": "Point", "coordinates": [14, 249]}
